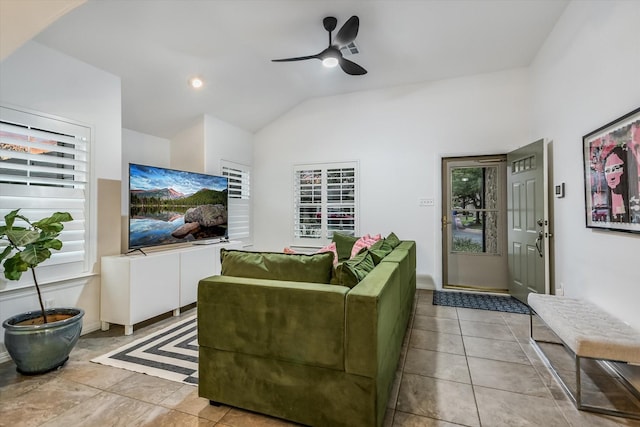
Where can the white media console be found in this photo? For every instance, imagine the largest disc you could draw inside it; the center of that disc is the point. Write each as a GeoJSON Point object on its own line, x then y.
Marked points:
{"type": "Point", "coordinates": [137, 287]}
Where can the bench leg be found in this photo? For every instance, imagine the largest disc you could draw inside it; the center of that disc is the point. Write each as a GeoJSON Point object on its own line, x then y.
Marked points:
{"type": "Point", "coordinates": [578, 383]}
{"type": "Point", "coordinates": [531, 323]}
{"type": "Point", "coordinates": [577, 397]}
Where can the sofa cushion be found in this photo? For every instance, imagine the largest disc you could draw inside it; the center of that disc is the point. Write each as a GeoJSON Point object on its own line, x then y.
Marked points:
{"type": "Point", "coordinates": [344, 243]}
{"type": "Point", "coordinates": [316, 268]}
{"type": "Point", "coordinates": [393, 240]}
{"type": "Point", "coordinates": [352, 271]}
{"type": "Point", "coordinates": [379, 250]}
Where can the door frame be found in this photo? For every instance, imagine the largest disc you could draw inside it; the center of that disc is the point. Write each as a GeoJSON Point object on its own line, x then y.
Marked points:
{"type": "Point", "coordinates": [445, 217]}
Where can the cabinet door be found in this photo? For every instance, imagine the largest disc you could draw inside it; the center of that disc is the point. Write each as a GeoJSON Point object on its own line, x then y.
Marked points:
{"type": "Point", "coordinates": [155, 285]}
{"type": "Point", "coordinates": [196, 264]}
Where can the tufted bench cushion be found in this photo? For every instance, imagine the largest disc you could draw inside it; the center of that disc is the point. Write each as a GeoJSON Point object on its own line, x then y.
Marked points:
{"type": "Point", "coordinates": [586, 329]}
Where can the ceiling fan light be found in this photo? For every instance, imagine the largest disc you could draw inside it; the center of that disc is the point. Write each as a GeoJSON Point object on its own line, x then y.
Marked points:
{"type": "Point", "coordinates": [330, 62]}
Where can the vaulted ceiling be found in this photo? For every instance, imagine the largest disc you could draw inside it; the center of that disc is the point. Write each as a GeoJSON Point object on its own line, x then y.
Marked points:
{"type": "Point", "coordinates": [155, 46]}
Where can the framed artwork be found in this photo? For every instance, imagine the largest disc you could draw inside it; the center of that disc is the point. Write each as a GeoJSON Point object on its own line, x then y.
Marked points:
{"type": "Point", "coordinates": [612, 175]}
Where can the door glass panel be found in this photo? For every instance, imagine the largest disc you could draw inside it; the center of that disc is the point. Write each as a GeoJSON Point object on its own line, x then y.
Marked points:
{"type": "Point", "coordinates": [475, 210]}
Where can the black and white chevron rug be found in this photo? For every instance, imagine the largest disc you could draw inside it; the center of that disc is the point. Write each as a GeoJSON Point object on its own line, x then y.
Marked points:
{"type": "Point", "coordinates": [479, 301]}
{"type": "Point", "coordinates": [171, 353]}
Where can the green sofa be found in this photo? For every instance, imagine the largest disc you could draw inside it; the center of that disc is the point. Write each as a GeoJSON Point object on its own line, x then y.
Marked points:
{"type": "Point", "coordinates": [318, 354]}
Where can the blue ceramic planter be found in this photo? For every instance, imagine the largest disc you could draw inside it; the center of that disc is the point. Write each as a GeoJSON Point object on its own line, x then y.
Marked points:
{"type": "Point", "coordinates": [37, 349]}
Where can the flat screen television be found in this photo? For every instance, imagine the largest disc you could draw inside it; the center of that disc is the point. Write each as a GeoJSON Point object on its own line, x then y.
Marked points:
{"type": "Point", "coordinates": [168, 206]}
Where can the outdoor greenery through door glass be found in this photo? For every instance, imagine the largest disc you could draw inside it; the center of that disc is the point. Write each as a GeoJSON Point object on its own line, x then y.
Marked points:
{"type": "Point", "coordinates": [474, 212]}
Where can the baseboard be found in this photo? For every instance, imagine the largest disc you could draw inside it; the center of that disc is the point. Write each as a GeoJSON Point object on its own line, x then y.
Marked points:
{"type": "Point", "coordinates": [88, 327]}
{"type": "Point", "coordinates": [425, 281]}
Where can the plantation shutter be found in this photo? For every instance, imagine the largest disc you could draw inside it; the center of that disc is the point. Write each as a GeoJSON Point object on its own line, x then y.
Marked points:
{"type": "Point", "coordinates": [308, 199]}
{"type": "Point", "coordinates": [239, 177]}
{"type": "Point", "coordinates": [325, 199]}
{"type": "Point", "coordinates": [44, 165]}
{"type": "Point", "coordinates": [341, 204]}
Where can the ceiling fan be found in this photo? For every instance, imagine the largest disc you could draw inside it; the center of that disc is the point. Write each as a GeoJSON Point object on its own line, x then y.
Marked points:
{"type": "Point", "coordinates": [332, 55]}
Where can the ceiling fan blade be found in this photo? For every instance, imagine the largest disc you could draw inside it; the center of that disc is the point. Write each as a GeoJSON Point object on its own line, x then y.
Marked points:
{"type": "Point", "coordinates": [351, 68]}
{"type": "Point", "coordinates": [348, 32]}
{"type": "Point", "coordinates": [299, 58]}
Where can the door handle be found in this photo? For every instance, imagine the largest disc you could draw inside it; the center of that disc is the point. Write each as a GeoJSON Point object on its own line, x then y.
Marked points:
{"type": "Point", "coordinates": [539, 241]}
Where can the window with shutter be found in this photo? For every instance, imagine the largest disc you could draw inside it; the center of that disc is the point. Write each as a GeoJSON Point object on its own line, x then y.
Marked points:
{"type": "Point", "coordinates": [325, 198]}
{"type": "Point", "coordinates": [239, 177]}
{"type": "Point", "coordinates": [44, 168]}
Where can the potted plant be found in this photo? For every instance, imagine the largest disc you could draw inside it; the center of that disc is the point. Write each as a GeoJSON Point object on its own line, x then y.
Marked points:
{"type": "Point", "coordinates": [37, 341]}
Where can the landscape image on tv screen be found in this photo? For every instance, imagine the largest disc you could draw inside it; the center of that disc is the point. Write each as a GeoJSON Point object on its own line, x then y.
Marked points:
{"type": "Point", "coordinates": [170, 206]}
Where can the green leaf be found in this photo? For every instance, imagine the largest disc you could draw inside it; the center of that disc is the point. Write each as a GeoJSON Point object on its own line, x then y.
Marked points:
{"type": "Point", "coordinates": [34, 255]}
{"type": "Point", "coordinates": [52, 228]}
{"type": "Point", "coordinates": [34, 244]}
{"type": "Point", "coordinates": [52, 244]}
{"type": "Point", "coordinates": [53, 221]}
{"type": "Point", "coordinates": [48, 240]}
{"type": "Point", "coordinates": [5, 253]}
{"type": "Point", "coordinates": [10, 218]}
{"type": "Point", "coordinates": [22, 237]}
{"type": "Point", "coordinates": [14, 267]}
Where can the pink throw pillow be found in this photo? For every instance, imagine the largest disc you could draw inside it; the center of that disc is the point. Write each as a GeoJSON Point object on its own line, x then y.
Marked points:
{"type": "Point", "coordinates": [364, 242]}
{"type": "Point", "coordinates": [330, 248]}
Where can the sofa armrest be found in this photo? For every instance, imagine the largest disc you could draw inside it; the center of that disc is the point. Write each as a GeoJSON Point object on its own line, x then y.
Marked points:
{"type": "Point", "coordinates": [294, 321]}
{"type": "Point", "coordinates": [410, 246]}
{"type": "Point", "coordinates": [373, 307]}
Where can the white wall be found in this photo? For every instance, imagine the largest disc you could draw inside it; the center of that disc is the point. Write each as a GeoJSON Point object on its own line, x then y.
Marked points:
{"type": "Point", "coordinates": [145, 150]}
{"type": "Point", "coordinates": [200, 147]}
{"type": "Point", "coordinates": [223, 141]}
{"type": "Point", "coordinates": [399, 136]}
{"type": "Point", "coordinates": [187, 148]}
{"type": "Point", "coordinates": [37, 78]}
{"type": "Point", "coordinates": [587, 75]}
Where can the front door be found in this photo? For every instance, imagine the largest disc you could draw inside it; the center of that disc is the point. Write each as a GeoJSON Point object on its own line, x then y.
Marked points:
{"type": "Point", "coordinates": [528, 221]}
{"type": "Point", "coordinates": [474, 223]}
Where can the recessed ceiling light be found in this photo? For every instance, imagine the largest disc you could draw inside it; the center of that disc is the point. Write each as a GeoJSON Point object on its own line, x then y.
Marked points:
{"type": "Point", "coordinates": [196, 82]}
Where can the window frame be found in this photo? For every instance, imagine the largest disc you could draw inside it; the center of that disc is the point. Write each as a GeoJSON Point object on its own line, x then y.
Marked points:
{"type": "Point", "coordinates": [78, 253]}
{"type": "Point", "coordinates": [325, 230]}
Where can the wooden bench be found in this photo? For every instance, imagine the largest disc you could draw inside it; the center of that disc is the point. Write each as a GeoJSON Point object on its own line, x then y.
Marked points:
{"type": "Point", "coordinates": [587, 332]}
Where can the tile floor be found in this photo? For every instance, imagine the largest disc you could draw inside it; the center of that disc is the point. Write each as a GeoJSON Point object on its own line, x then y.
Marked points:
{"type": "Point", "coordinates": [459, 367]}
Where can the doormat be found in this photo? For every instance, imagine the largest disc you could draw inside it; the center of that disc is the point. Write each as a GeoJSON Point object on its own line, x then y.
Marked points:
{"type": "Point", "coordinates": [479, 301]}
{"type": "Point", "coordinates": [171, 353]}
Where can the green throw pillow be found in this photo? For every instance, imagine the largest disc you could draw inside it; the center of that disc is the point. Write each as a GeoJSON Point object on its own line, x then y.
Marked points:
{"type": "Point", "coordinates": [393, 240]}
{"type": "Point", "coordinates": [351, 272]}
{"type": "Point", "coordinates": [344, 244]}
{"type": "Point", "coordinates": [379, 250]}
{"type": "Point", "coordinates": [316, 268]}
